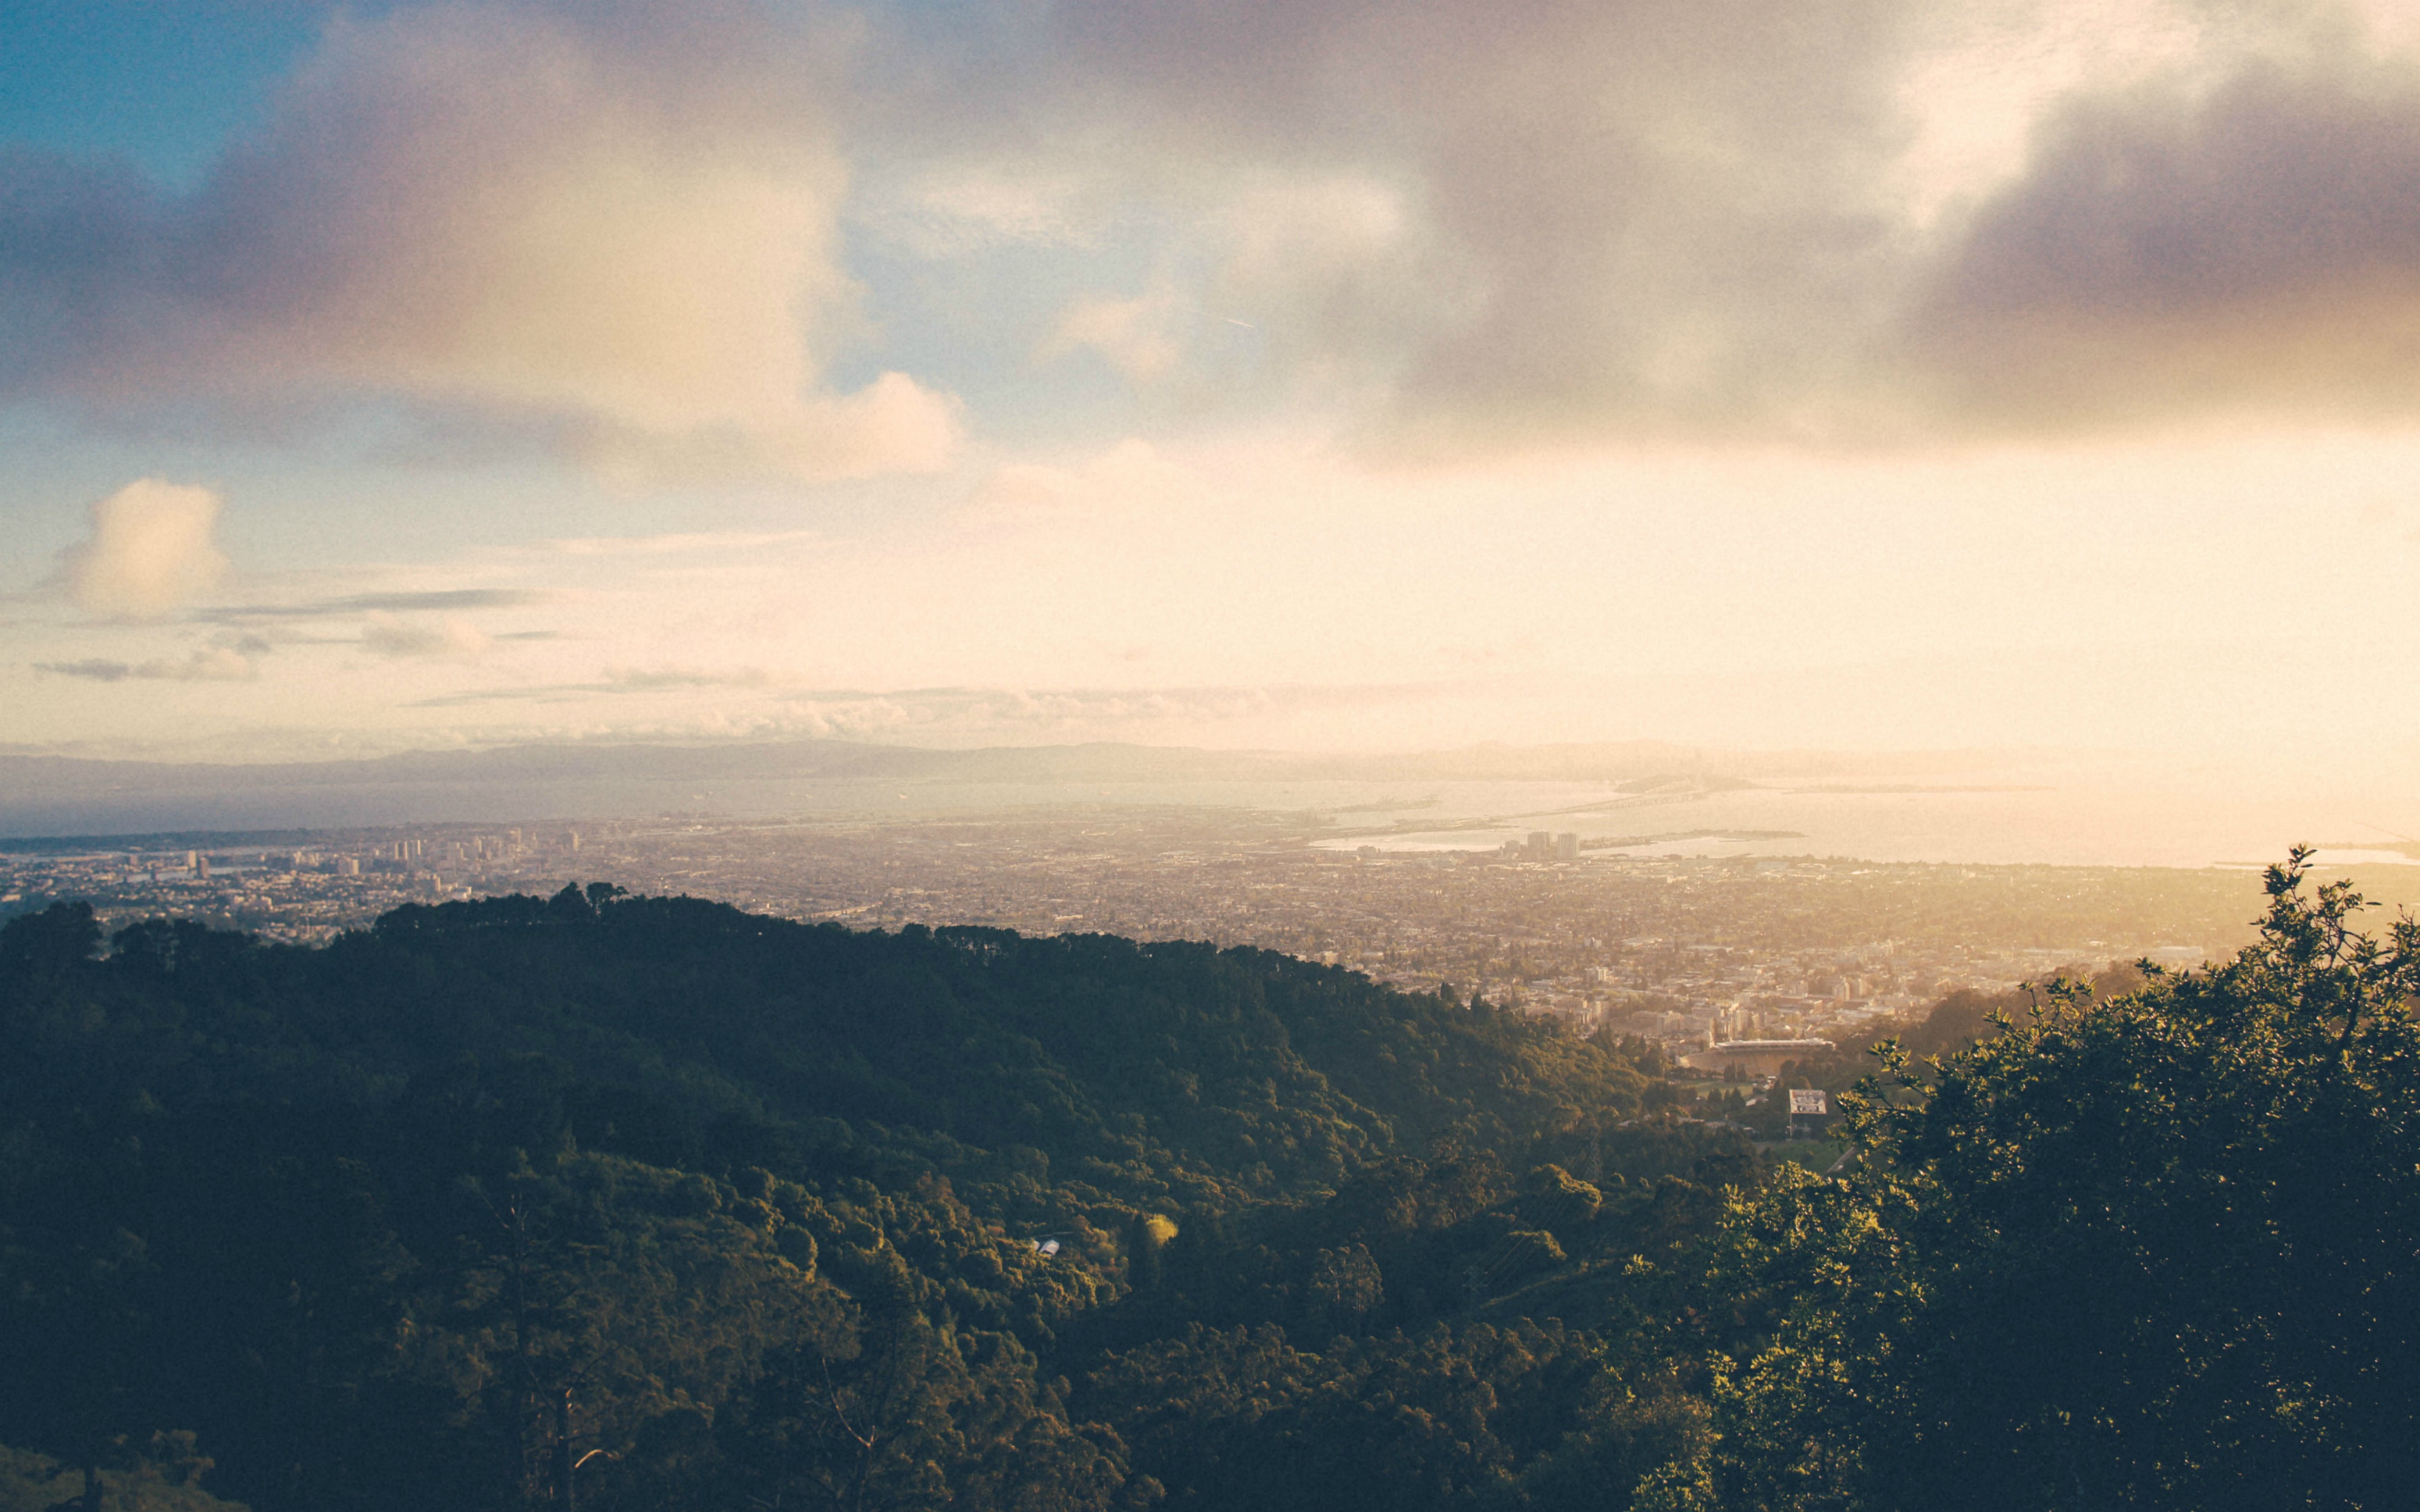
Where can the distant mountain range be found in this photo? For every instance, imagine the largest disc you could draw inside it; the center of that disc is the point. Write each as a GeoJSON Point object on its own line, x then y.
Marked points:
{"type": "Point", "coordinates": [63, 796]}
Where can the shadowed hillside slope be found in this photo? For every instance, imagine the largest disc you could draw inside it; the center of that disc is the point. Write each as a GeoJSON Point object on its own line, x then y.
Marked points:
{"type": "Point", "coordinates": [378, 1205]}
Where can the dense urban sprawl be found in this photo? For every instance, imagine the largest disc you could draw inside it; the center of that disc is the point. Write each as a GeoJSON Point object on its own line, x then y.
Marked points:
{"type": "Point", "coordinates": [1682, 949]}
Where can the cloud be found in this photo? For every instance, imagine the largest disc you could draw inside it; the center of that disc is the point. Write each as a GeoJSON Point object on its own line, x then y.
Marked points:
{"type": "Point", "coordinates": [645, 679]}
{"type": "Point", "coordinates": [1474, 228]}
{"type": "Point", "coordinates": [442, 598]}
{"type": "Point", "coordinates": [1482, 225]}
{"type": "Point", "coordinates": [2257, 246]}
{"type": "Point", "coordinates": [92, 669]}
{"type": "Point", "coordinates": [550, 693]}
{"type": "Point", "coordinates": [1136, 336]}
{"type": "Point", "coordinates": [1337, 274]}
{"type": "Point", "coordinates": [625, 231]}
{"type": "Point", "coordinates": [617, 681]}
{"type": "Point", "coordinates": [449, 639]}
{"type": "Point", "coordinates": [939, 716]}
{"type": "Point", "coordinates": [892, 425]}
{"type": "Point", "coordinates": [393, 603]}
{"type": "Point", "coordinates": [152, 549]}
{"type": "Point", "coordinates": [614, 225]}
{"type": "Point", "coordinates": [962, 207]}
{"type": "Point", "coordinates": [210, 664]}
{"type": "Point", "coordinates": [960, 715]}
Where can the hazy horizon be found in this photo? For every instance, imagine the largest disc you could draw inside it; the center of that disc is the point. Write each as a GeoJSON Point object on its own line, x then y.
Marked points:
{"type": "Point", "coordinates": [1642, 798]}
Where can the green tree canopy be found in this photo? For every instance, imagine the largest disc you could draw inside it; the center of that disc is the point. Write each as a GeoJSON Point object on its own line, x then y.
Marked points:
{"type": "Point", "coordinates": [2158, 1250]}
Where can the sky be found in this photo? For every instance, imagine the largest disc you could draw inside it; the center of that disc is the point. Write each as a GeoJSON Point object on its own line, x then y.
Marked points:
{"type": "Point", "coordinates": [1850, 374]}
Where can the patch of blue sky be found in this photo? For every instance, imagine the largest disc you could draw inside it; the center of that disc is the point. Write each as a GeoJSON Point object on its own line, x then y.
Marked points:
{"type": "Point", "coordinates": [164, 84]}
{"type": "Point", "coordinates": [978, 323]}
{"type": "Point", "coordinates": [981, 321]}
{"type": "Point", "coordinates": [344, 482]}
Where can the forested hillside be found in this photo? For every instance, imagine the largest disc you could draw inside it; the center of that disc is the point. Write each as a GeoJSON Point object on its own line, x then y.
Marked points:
{"type": "Point", "coordinates": [363, 1218]}
{"type": "Point", "coordinates": [651, 1203]}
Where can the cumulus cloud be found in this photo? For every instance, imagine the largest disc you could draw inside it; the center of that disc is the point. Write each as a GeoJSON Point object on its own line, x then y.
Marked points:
{"type": "Point", "coordinates": [153, 549]}
{"type": "Point", "coordinates": [2257, 245]}
{"type": "Point", "coordinates": [892, 425]}
{"type": "Point", "coordinates": [614, 225]}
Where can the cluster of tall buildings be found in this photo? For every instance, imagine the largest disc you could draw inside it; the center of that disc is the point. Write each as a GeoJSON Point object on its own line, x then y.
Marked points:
{"type": "Point", "coordinates": [1542, 846]}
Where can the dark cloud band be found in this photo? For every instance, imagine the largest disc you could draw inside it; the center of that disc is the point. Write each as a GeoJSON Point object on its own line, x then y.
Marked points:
{"type": "Point", "coordinates": [451, 599]}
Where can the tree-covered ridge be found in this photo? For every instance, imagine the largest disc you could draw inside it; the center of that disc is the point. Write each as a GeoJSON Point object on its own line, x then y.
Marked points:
{"type": "Point", "coordinates": [378, 1206]}
{"type": "Point", "coordinates": [654, 1204]}
{"type": "Point", "coordinates": [1152, 1072]}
